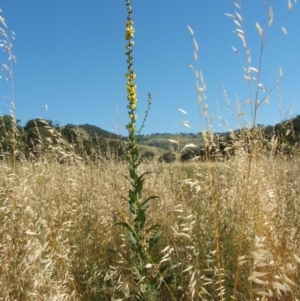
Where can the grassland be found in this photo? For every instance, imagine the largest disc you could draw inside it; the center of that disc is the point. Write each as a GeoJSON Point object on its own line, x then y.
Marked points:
{"type": "Point", "coordinates": [60, 240]}
{"type": "Point", "coordinates": [76, 221]}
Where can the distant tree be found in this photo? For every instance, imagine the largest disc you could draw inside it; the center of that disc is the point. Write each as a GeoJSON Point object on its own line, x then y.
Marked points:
{"type": "Point", "coordinates": [148, 155]}
{"type": "Point", "coordinates": [38, 135]}
{"type": "Point", "coordinates": [70, 133]}
{"type": "Point", "coordinates": [188, 154]}
{"type": "Point", "coordinates": [7, 122]}
{"type": "Point", "coordinates": [37, 122]}
{"type": "Point", "coordinates": [39, 130]}
{"type": "Point", "coordinates": [10, 135]}
{"type": "Point", "coordinates": [168, 157]}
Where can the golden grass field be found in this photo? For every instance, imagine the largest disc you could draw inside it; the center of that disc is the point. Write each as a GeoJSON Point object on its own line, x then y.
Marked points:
{"type": "Point", "coordinates": [81, 227]}
{"type": "Point", "coordinates": [60, 241]}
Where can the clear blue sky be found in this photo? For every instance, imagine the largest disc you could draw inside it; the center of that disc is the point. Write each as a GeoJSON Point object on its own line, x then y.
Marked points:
{"type": "Point", "coordinates": [70, 57]}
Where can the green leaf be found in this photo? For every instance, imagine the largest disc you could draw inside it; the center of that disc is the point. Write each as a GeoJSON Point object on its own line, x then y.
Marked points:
{"type": "Point", "coordinates": [133, 196]}
{"type": "Point", "coordinates": [141, 177]}
{"type": "Point", "coordinates": [151, 228]}
{"type": "Point", "coordinates": [140, 217]}
{"type": "Point", "coordinates": [125, 225]}
{"type": "Point", "coordinates": [132, 173]}
{"type": "Point", "coordinates": [132, 206]}
{"type": "Point", "coordinates": [145, 207]}
{"type": "Point", "coordinates": [137, 271]}
{"type": "Point", "coordinates": [154, 239]}
{"type": "Point", "coordinates": [132, 238]}
{"type": "Point", "coordinates": [122, 197]}
{"type": "Point", "coordinates": [129, 180]}
{"type": "Point", "coordinates": [139, 188]}
{"type": "Point", "coordinates": [145, 203]}
{"type": "Point", "coordinates": [156, 226]}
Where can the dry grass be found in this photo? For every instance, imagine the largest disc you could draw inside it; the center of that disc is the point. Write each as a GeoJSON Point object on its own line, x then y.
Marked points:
{"type": "Point", "coordinates": [59, 239]}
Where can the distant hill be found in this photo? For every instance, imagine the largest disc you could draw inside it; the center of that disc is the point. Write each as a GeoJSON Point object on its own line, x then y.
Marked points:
{"type": "Point", "coordinates": [93, 130]}
{"type": "Point", "coordinates": [160, 142]}
{"type": "Point", "coordinates": [153, 142]}
{"type": "Point", "coordinates": [87, 137]}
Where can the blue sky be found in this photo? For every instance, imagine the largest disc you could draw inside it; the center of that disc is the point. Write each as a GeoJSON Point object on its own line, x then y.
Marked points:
{"type": "Point", "coordinates": [71, 60]}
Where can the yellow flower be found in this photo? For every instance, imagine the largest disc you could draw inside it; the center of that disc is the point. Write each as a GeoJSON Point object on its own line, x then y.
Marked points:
{"type": "Point", "coordinates": [131, 86]}
{"type": "Point", "coordinates": [130, 81]}
{"type": "Point", "coordinates": [131, 89]}
{"type": "Point", "coordinates": [129, 33]}
{"type": "Point", "coordinates": [130, 76]}
{"type": "Point", "coordinates": [130, 127]}
{"type": "Point", "coordinates": [129, 23]}
{"type": "Point", "coordinates": [132, 106]}
{"type": "Point", "coordinates": [131, 99]}
{"type": "Point", "coordinates": [133, 117]}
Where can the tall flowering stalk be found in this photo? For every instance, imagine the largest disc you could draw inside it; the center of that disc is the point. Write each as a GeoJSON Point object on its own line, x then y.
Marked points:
{"type": "Point", "coordinates": [131, 86]}
{"type": "Point", "coordinates": [131, 97]}
{"type": "Point", "coordinates": [142, 235]}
